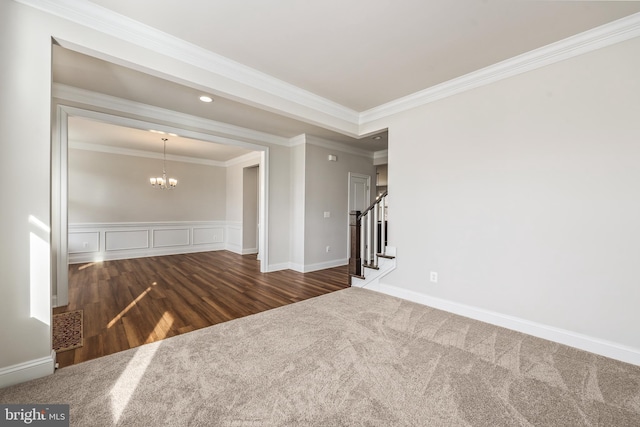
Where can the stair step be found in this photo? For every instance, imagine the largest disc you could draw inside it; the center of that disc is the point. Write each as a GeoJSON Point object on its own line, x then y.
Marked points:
{"type": "Point", "coordinates": [357, 276]}
{"type": "Point", "coordinates": [386, 256]}
{"type": "Point", "coordinates": [371, 266]}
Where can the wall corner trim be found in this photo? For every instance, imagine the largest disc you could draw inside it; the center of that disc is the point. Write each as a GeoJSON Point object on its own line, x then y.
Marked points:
{"type": "Point", "coordinates": [562, 336]}
{"type": "Point", "coordinates": [29, 370]}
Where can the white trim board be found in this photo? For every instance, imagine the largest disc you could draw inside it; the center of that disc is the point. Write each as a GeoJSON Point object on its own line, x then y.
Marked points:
{"type": "Point", "coordinates": [220, 132]}
{"type": "Point", "coordinates": [27, 371]}
{"type": "Point", "coordinates": [99, 148]}
{"type": "Point", "coordinates": [562, 336]}
{"type": "Point", "coordinates": [308, 268]}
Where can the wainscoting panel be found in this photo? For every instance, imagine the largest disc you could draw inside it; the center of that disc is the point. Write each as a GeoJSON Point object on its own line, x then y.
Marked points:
{"type": "Point", "coordinates": [234, 237]}
{"type": "Point", "coordinates": [110, 241]}
{"type": "Point", "coordinates": [84, 242]}
{"type": "Point", "coordinates": [203, 236]}
{"type": "Point", "coordinates": [129, 239]}
{"type": "Point", "coordinates": [172, 237]}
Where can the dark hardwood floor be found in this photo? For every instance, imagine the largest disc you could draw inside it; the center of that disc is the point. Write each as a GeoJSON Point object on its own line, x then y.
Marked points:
{"type": "Point", "coordinates": [131, 302]}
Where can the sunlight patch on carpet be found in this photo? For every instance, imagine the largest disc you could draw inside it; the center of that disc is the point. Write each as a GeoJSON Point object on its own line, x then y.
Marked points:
{"type": "Point", "coordinates": [125, 387]}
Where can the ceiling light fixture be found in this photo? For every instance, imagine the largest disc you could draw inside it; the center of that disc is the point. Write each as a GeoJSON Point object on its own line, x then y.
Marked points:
{"type": "Point", "coordinates": [162, 182]}
{"type": "Point", "coordinates": [205, 98]}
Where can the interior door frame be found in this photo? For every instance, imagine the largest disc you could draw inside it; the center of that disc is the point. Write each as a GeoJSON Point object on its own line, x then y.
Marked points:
{"type": "Point", "coordinates": [60, 183]}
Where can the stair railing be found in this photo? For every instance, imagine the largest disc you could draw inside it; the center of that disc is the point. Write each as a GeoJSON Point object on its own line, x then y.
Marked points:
{"type": "Point", "coordinates": [367, 242]}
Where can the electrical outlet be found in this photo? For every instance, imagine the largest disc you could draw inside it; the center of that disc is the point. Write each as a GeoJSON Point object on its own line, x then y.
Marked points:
{"type": "Point", "coordinates": [327, 214]}
{"type": "Point", "coordinates": [433, 276]}
{"type": "Point", "coordinates": [328, 249]}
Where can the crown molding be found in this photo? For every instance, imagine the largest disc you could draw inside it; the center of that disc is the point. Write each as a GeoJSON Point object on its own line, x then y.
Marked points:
{"type": "Point", "coordinates": [223, 130]}
{"type": "Point", "coordinates": [146, 154]}
{"type": "Point", "coordinates": [333, 145]}
{"type": "Point", "coordinates": [254, 156]}
{"type": "Point", "coordinates": [298, 140]}
{"type": "Point", "coordinates": [106, 21]}
{"type": "Point", "coordinates": [380, 154]}
{"type": "Point", "coordinates": [99, 148]}
{"type": "Point", "coordinates": [590, 40]}
{"type": "Point", "coordinates": [304, 139]}
{"type": "Point", "coordinates": [101, 19]}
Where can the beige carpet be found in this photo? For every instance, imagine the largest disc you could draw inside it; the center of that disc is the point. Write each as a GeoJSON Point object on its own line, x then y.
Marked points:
{"type": "Point", "coordinates": [67, 331]}
{"type": "Point", "coordinates": [350, 358]}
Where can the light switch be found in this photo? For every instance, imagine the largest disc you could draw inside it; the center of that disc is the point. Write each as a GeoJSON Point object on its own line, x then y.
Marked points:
{"type": "Point", "coordinates": [327, 214]}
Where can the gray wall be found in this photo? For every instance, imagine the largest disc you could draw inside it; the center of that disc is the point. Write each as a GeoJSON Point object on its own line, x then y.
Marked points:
{"type": "Point", "coordinates": [327, 187]}
{"type": "Point", "coordinates": [523, 196]}
{"type": "Point", "coordinates": [297, 188]}
{"type": "Point", "coordinates": [115, 188]}
{"type": "Point", "coordinates": [250, 208]}
{"type": "Point", "coordinates": [235, 178]}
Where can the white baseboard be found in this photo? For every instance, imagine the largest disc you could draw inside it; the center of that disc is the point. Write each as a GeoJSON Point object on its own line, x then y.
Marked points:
{"type": "Point", "coordinates": [143, 253]}
{"type": "Point", "coordinates": [278, 267]}
{"type": "Point", "coordinates": [27, 371]}
{"type": "Point", "coordinates": [572, 339]}
{"type": "Point", "coordinates": [236, 249]}
{"type": "Point", "coordinates": [308, 268]}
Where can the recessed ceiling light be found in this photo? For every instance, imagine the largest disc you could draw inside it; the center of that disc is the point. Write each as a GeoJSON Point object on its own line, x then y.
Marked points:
{"type": "Point", "coordinates": [156, 131]}
{"type": "Point", "coordinates": [172, 134]}
{"type": "Point", "coordinates": [205, 98]}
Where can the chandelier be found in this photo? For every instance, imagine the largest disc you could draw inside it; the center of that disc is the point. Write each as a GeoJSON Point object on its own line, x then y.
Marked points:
{"type": "Point", "coordinates": [162, 182]}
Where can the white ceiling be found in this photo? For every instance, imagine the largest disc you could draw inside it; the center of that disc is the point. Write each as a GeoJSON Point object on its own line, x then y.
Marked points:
{"type": "Point", "coordinates": [357, 53]}
{"type": "Point", "coordinates": [363, 53]}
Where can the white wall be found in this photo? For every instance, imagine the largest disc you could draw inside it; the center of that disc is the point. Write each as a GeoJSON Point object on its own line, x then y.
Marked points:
{"type": "Point", "coordinates": [114, 188]}
{"type": "Point", "coordinates": [25, 337]}
{"type": "Point", "coordinates": [523, 196]}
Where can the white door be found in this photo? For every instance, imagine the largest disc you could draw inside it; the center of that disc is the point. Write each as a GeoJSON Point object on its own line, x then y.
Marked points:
{"type": "Point", "coordinates": [359, 192]}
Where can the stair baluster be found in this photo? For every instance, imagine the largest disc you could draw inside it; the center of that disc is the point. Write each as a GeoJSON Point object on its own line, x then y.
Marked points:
{"type": "Point", "coordinates": [365, 238]}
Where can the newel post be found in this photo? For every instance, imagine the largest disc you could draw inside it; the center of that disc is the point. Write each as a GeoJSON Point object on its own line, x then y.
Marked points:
{"type": "Point", "coordinates": [355, 262]}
